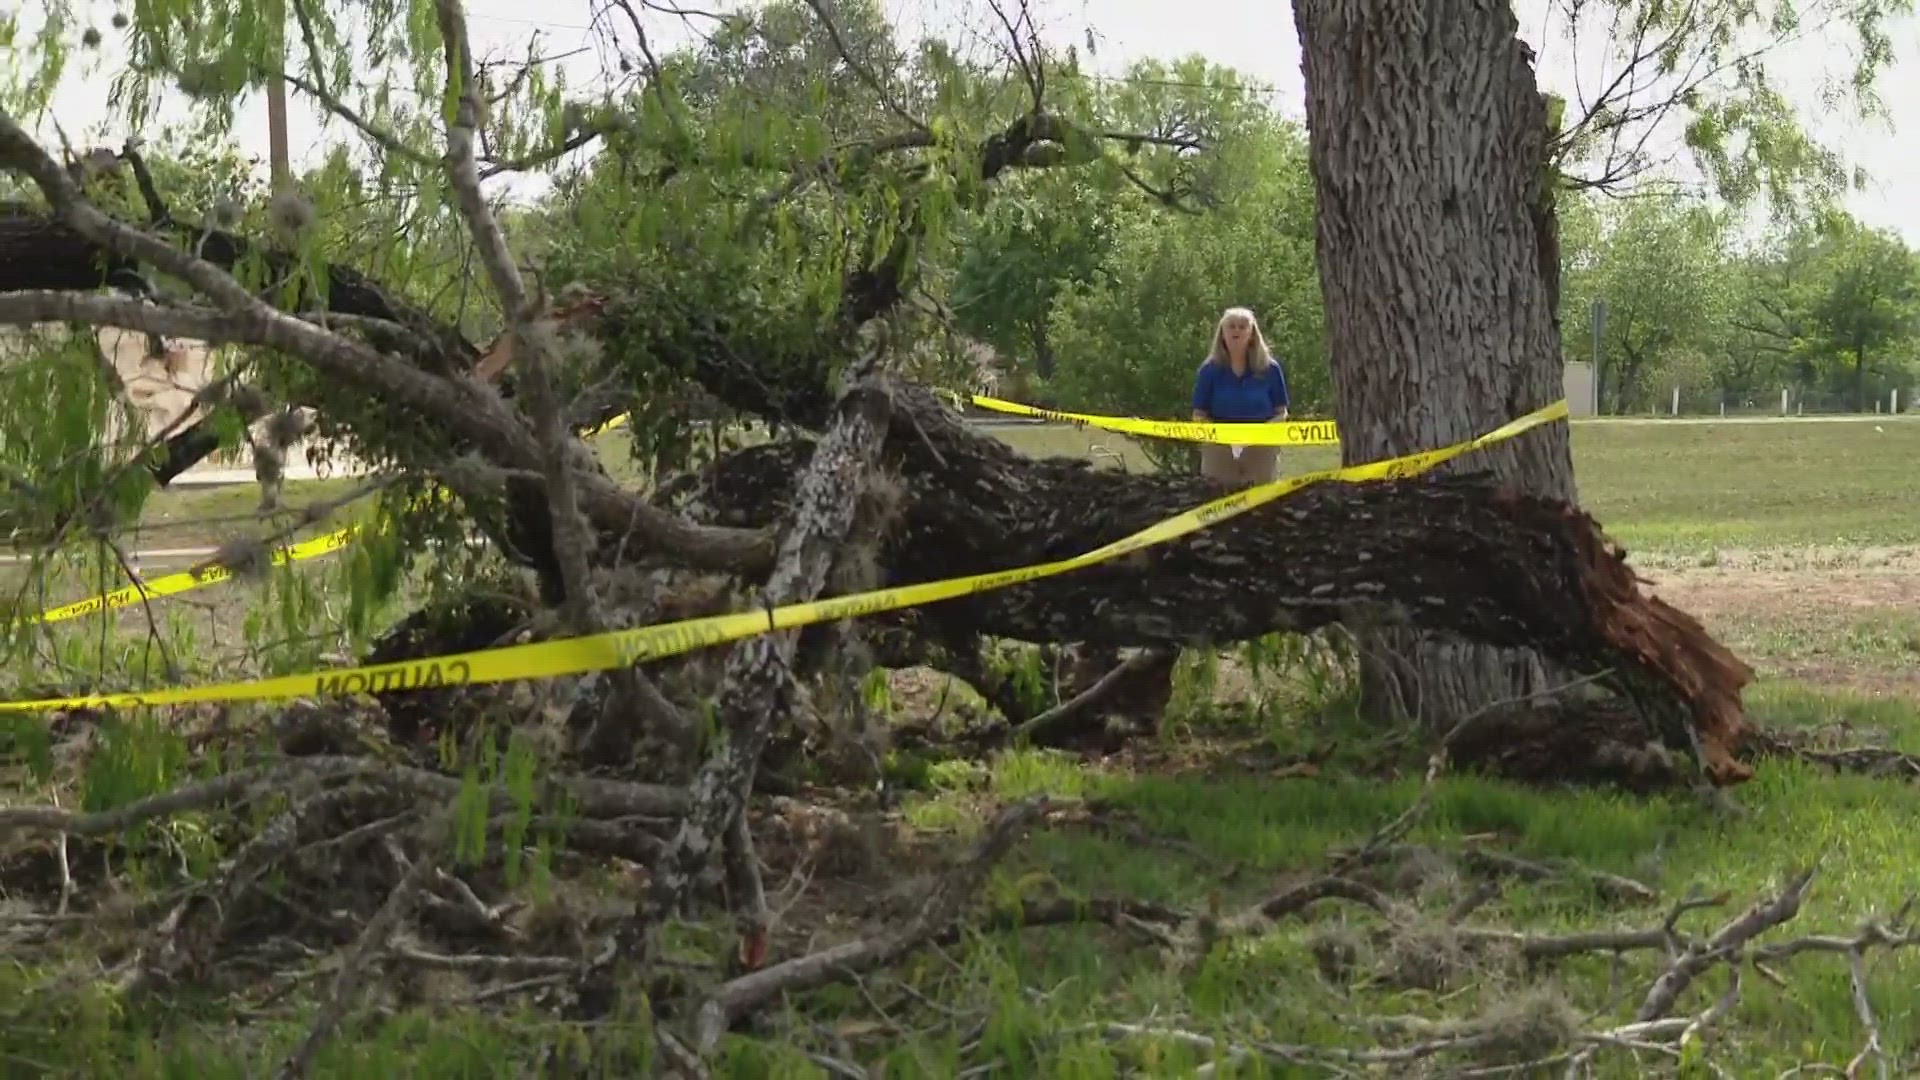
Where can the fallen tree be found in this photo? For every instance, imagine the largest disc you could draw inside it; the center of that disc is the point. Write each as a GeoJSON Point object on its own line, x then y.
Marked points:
{"type": "Point", "coordinates": [893, 489]}
{"type": "Point", "coordinates": [1457, 555]}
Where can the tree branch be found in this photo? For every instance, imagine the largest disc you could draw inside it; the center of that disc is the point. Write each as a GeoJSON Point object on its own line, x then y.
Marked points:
{"type": "Point", "coordinates": [941, 907]}
{"type": "Point", "coordinates": [371, 941]}
{"type": "Point", "coordinates": [591, 796]}
{"type": "Point", "coordinates": [1453, 555]}
{"type": "Point", "coordinates": [756, 681]}
{"type": "Point", "coordinates": [862, 68]}
{"type": "Point", "coordinates": [492, 243]}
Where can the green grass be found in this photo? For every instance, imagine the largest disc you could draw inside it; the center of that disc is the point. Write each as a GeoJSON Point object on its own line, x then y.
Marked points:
{"type": "Point", "coordinates": [208, 515]}
{"type": "Point", "coordinates": [1236, 836]}
{"type": "Point", "coordinates": [1687, 487]}
{"type": "Point", "coordinates": [1750, 485]}
{"type": "Point", "coordinates": [1218, 811]}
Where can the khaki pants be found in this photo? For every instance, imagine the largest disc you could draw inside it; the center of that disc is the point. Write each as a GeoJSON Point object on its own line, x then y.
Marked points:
{"type": "Point", "coordinates": [1255, 465]}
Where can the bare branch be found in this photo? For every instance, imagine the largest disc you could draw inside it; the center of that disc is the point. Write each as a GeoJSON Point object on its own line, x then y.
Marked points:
{"type": "Point", "coordinates": [756, 679]}
{"type": "Point", "coordinates": [861, 68]}
{"type": "Point", "coordinates": [656, 80]}
{"type": "Point", "coordinates": [157, 211]}
{"type": "Point", "coordinates": [594, 797]}
{"type": "Point", "coordinates": [461, 169]}
{"type": "Point", "coordinates": [386, 140]}
{"type": "Point", "coordinates": [535, 159]}
{"type": "Point", "coordinates": [255, 323]}
{"type": "Point", "coordinates": [317, 90]}
{"type": "Point", "coordinates": [1764, 915]}
{"type": "Point", "coordinates": [942, 905]}
{"type": "Point", "coordinates": [372, 940]}
{"type": "Point", "coordinates": [466, 407]}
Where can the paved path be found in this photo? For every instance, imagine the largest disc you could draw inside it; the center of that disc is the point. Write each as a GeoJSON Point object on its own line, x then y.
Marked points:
{"type": "Point", "coordinates": [218, 477]}
{"type": "Point", "coordinates": [1834, 418]}
{"type": "Point", "coordinates": [141, 558]}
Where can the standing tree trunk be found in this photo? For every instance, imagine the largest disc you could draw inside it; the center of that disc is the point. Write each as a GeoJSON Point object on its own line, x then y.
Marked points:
{"type": "Point", "coordinates": [1439, 263]}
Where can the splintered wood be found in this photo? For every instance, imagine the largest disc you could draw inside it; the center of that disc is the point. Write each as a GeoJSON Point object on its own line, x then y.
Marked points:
{"type": "Point", "coordinates": [1705, 674]}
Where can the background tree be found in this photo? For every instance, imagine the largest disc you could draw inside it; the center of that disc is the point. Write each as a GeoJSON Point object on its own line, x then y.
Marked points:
{"type": "Point", "coordinates": [1053, 234]}
{"type": "Point", "coordinates": [1857, 305]}
{"type": "Point", "coordinates": [1016, 258]}
{"type": "Point", "coordinates": [1826, 307]}
{"type": "Point", "coordinates": [1130, 340]}
{"type": "Point", "coordinates": [1661, 267]}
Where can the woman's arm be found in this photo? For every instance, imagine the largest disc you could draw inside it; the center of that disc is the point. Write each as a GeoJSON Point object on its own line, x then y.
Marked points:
{"type": "Point", "coordinates": [1278, 388]}
{"type": "Point", "coordinates": [1202, 393]}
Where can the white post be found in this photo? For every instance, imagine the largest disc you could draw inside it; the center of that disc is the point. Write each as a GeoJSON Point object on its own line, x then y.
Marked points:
{"type": "Point", "coordinates": [1723, 408]}
{"type": "Point", "coordinates": [1783, 401]}
{"type": "Point", "coordinates": [1800, 408]}
{"type": "Point", "coordinates": [1676, 401]}
{"type": "Point", "coordinates": [1893, 401]}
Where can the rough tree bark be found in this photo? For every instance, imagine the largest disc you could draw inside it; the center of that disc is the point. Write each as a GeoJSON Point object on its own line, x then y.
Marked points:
{"type": "Point", "coordinates": [755, 693]}
{"type": "Point", "coordinates": [975, 496]}
{"type": "Point", "coordinates": [1465, 556]}
{"type": "Point", "coordinates": [1438, 258]}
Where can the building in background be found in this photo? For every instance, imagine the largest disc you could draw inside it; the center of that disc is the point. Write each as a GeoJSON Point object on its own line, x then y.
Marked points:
{"type": "Point", "coordinates": [161, 387]}
{"type": "Point", "coordinates": [1577, 383]}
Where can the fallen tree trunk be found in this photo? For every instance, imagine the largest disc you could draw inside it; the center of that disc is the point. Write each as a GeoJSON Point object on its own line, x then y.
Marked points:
{"type": "Point", "coordinates": [1453, 556]}
{"type": "Point", "coordinates": [1456, 555]}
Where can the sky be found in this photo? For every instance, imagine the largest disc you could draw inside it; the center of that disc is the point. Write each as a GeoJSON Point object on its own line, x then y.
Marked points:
{"type": "Point", "coordinates": [1255, 36]}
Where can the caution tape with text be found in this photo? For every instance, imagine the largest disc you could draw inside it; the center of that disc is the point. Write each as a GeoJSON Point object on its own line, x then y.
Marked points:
{"type": "Point", "coordinates": [599, 652]}
{"type": "Point", "coordinates": [1275, 433]}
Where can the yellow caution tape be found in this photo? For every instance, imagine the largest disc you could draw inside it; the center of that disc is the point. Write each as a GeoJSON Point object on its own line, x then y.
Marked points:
{"type": "Point", "coordinates": [609, 425]}
{"type": "Point", "coordinates": [188, 580]}
{"type": "Point", "coordinates": [622, 648]}
{"type": "Point", "coordinates": [209, 574]}
{"type": "Point", "coordinates": [1281, 433]}
{"type": "Point", "coordinates": [201, 577]}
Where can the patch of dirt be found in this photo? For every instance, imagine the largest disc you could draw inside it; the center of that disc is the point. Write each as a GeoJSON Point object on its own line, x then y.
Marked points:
{"type": "Point", "coordinates": [1840, 618]}
{"type": "Point", "coordinates": [1762, 585]}
{"type": "Point", "coordinates": [1799, 557]}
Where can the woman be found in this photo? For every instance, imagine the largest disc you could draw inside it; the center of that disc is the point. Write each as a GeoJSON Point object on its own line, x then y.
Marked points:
{"type": "Point", "coordinates": [1240, 382]}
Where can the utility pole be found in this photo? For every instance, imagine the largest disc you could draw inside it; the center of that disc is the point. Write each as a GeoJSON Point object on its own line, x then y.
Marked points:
{"type": "Point", "coordinates": [1599, 331]}
{"type": "Point", "coordinates": [278, 156]}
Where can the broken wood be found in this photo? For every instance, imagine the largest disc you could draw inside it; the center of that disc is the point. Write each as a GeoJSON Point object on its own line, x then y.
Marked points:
{"type": "Point", "coordinates": [1454, 555]}
{"type": "Point", "coordinates": [1457, 555]}
{"type": "Point", "coordinates": [754, 694]}
{"type": "Point", "coordinates": [943, 904]}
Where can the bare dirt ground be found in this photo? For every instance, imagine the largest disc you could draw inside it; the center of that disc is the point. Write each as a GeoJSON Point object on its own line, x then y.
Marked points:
{"type": "Point", "coordinates": [1845, 617]}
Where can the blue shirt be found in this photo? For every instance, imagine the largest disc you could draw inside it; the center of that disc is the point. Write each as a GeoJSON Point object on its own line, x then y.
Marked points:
{"type": "Point", "coordinates": [1249, 398]}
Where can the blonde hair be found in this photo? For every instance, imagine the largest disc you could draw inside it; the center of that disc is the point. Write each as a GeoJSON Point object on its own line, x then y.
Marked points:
{"type": "Point", "coordinates": [1258, 357]}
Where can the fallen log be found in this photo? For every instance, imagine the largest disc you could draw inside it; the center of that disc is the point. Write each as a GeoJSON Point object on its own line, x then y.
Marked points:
{"type": "Point", "coordinates": [1452, 554]}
